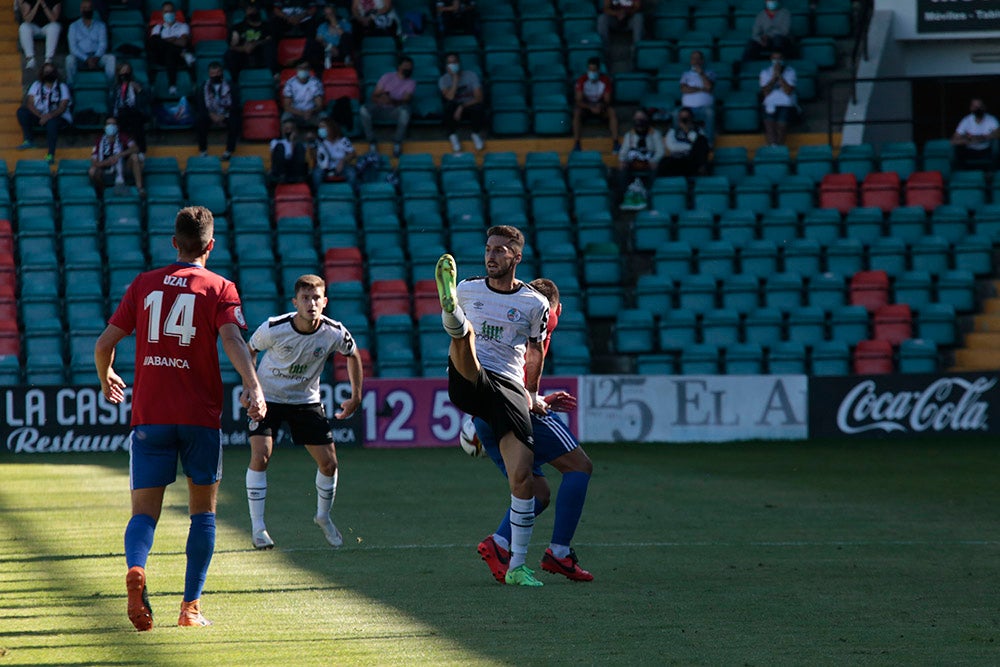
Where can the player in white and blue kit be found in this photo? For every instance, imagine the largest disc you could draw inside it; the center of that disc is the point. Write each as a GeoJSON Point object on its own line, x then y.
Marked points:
{"type": "Point", "coordinates": [497, 325]}
{"type": "Point", "coordinates": [296, 347]}
{"type": "Point", "coordinates": [556, 446]}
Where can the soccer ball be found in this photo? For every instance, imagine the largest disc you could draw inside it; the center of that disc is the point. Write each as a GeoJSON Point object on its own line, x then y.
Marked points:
{"type": "Point", "coordinates": [469, 439]}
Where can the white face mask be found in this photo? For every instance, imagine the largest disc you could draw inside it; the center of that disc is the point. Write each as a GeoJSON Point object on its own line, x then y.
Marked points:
{"type": "Point", "coordinates": [303, 75]}
{"type": "Point", "coordinates": [453, 68]}
{"type": "Point", "coordinates": [322, 133]}
{"type": "Point", "coordinates": [111, 130]}
{"type": "Point", "coordinates": [771, 5]}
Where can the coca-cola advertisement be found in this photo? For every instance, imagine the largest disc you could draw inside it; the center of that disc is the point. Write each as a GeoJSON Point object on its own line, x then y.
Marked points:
{"type": "Point", "coordinates": [904, 405]}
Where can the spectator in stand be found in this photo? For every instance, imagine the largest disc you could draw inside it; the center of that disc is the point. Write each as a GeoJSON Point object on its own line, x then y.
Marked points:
{"type": "Point", "coordinates": [771, 32]}
{"type": "Point", "coordinates": [639, 157]}
{"type": "Point", "coordinates": [593, 100]}
{"type": "Point", "coordinates": [251, 45]}
{"type": "Point", "coordinates": [288, 156]}
{"type": "Point", "coordinates": [129, 104]}
{"type": "Point", "coordinates": [457, 17]}
{"type": "Point", "coordinates": [335, 38]}
{"type": "Point", "coordinates": [294, 18]}
{"type": "Point", "coordinates": [114, 157]}
{"type": "Point", "coordinates": [375, 18]}
{"type": "Point", "coordinates": [332, 156]}
{"type": "Point", "coordinates": [168, 45]}
{"type": "Point", "coordinates": [974, 137]}
{"type": "Point", "coordinates": [46, 105]}
{"type": "Point", "coordinates": [303, 98]}
{"type": "Point", "coordinates": [687, 148]}
{"type": "Point", "coordinates": [463, 97]}
{"type": "Point", "coordinates": [88, 45]}
{"type": "Point", "coordinates": [390, 102]}
{"type": "Point", "coordinates": [696, 94]}
{"type": "Point", "coordinates": [620, 15]}
{"type": "Point", "coordinates": [217, 105]}
{"type": "Point", "coordinates": [777, 93]}
{"type": "Point", "coordinates": [39, 18]}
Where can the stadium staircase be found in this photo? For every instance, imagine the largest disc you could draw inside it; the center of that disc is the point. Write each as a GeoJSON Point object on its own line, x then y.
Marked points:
{"type": "Point", "coordinates": [10, 81]}
{"type": "Point", "coordinates": [982, 345]}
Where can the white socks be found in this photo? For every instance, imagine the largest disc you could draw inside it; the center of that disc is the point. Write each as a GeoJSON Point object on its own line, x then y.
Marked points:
{"type": "Point", "coordinates": [559, 550]}
{"type": "Point", "coordinates": [522, 521]}
{"type": "Point", "coordinates": [326, 491]}
{"type": "Point", "coordinates": [454, 322]}
{"type": "Point", "coordinates": [256, 493]}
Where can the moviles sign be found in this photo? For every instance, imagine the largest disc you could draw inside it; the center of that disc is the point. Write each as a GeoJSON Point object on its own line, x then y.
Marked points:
{"type": "Point", "coordinates": [902, 404]}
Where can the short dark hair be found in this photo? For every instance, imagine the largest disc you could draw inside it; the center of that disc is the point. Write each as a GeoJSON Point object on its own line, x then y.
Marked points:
{"type": "Point", "coordinates": [193, 230]}
{"type": "Point", "coordinates": [511, 233]}
{"type": "Point", "coordinates": [452, 53]}
{"type": "Point", "coordinates": [214, 64]}
{"type": "Point", "coordinates": [548, 289]}
{"type": "Point", "coordinates": [593, 60]}
{"type": "Point", "coordinates": [404, 60]}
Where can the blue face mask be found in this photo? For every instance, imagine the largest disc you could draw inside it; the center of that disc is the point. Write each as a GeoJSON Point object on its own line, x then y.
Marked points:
{"type": "Point", "coordinates": [771, 5]}
{"type": "Point", "coordinates": [322, 132]}
{"type": "Point", "coordinates": [453, 68]}
{"type": "Point", "coordinates": [169, 17]}
{"type": "Point", "coordinates": [593, 76]}
{"type": "Point", "coordinates": [303, 75]}
{"type": "Point", "coordinates": [111, 130]}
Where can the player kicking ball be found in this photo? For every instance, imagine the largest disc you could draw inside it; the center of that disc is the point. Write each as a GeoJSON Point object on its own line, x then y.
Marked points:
{"type": "Point", "coordinates": [556, 446]}
{"type": "Point", "coordinates": [295, 347]}
{"type": "Point", "coordinates": [497, 324]}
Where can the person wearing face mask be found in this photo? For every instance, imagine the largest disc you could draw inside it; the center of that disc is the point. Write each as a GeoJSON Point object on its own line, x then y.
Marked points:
{"type": "Point", "coordinates": [168, 44]}
{"type": "Point", "coordinates": [687, 148]}
{"type": "Point", "coordinates": [46, 105]}
{"type": "Point", "coordinates": [593, 100]}
{"type": "Point", "coordinates": [114, 157]}
{"type": "Point", "coordinates": [288, 156]}
{"type": "Point", "coordinates": [697, 85]}
{"type": "Point", "coordinates": [128, 101]}
{"type": "Point", "coordinates": [88, 45]}
{"type": "Point", "coordinates": [390, 102]}
{"type": "Point", "coordinates": [39, 18]}
{"type": "Point", "coordinates": [463, 97]}
{"type": "Point", "coordinates": [303, 98]}
{"type": "Point", "coordinates": [974, 137]}
{"type": "Point", "coordinates": [771, 31]}
{"type": "Point", "coordinates": [639, 157]}
{"type": "Point", "coordinates": [332, 156]}
{"type": "Point", "coordinates": [251, 45]}
{"type": "Point", "coordinates": [217, 106]}
{"type": "Point", "coordinates": [777, 94]}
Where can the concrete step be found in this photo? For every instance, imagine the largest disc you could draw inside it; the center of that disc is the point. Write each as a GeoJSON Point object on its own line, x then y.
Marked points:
{"type": "Point", "coordinates": [976, 360]}
{"type": "Point", "coordinates": [983, 340]}
{"type": "Point", "coordinates": [991, 306]}
{"type": "Point", "coordinates": [989, 322]}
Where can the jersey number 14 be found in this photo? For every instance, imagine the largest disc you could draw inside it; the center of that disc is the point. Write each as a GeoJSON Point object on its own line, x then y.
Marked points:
{"type": "Point", "coordinates": [180, 319]}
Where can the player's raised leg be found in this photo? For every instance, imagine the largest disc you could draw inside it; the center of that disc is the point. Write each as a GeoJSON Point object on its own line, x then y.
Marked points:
{"type": "Point", "coordinates": [256, 482]}
{"type": "Point", "coordinates": [326, 490]}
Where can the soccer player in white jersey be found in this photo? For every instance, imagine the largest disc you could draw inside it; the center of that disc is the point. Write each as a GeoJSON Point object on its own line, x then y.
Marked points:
{"type": "Point", "coordinates": [497, 326]}
{"type": "Point", "coordinates": [296, 346]}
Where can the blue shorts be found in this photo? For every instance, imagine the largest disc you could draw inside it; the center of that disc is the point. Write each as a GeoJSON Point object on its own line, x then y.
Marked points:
{"type": "Point", "coordinates": [552, 440]}
{"type": "Point", "coordinates": [154, 450]}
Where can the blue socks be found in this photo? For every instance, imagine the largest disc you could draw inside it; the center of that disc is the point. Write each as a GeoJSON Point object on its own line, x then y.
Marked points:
{"type": "Point", "coordinates": [139, 539]}
{"type": "Point", "coordinates": [569, 506]}
{"type": "Point", "coordinates": [200, 547]}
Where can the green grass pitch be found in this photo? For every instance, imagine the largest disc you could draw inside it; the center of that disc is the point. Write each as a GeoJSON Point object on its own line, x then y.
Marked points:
{"type": "Point", "coordinates": [823, 553]}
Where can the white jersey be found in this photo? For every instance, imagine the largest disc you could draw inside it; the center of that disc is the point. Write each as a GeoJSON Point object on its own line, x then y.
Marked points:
{"type": "Point", "coordinates": [504, 322]}
{"type": "Point", "coordinates": [292, 361]}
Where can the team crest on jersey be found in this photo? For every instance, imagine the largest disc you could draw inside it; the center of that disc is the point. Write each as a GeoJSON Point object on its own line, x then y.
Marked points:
{"type": "Point", "coordinates": [318, 352]}
{"type": "Point", "coordinates": [513, 315]}
{"type": "Point", "coordinates": [238, 311]}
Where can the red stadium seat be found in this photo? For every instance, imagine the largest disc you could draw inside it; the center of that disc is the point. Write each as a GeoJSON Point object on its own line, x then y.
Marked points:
{"type": "Point", "coordinates": [340, 82]}
{"type": "Point", "coordinates": [261, 120]}
{"type": "Point", "coordinates": [340, 366]}
{"type": "Point", "coordinates": [872, 357]}
{"type": "Point", "coordinates": [207, 24]}
{"type": "Point", "coordinates": [869, 289]}
{"type": "Point", "coordinates": [839, 191]}
{"type": "Point", "coordinates": [389, 297]}
{"type": "Point", "coordinates": [925, 188]}
{"type": "Point", "coordinates": [343, 265]}
{"type": "Point", "coordinates": [881, 190]}
{"type": "Point", "coordinates": [425, 299]}
{"type": "Point", "coordinates": [10, 340]}
{"type": "Point", "coordinates": [8, 276]}
{"type": "Point", "coordinates": [893, 323]}
{"type": "Point", "coordinates": [290, 51]}
{"type": "Point", "coordinates": [293, 200]}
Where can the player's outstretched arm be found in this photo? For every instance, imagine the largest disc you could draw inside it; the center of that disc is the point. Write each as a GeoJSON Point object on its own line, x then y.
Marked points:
{"type": "Point", "coordinates": [252, 397]}
{"type": "Point", "coordinates": [356, 374]}
{"type": "Point", "coordinates": [112, 386]}
{"type": "Point", "coordinates": [534, 357]}
{"type": "Point", "coordinates": [560, 401]}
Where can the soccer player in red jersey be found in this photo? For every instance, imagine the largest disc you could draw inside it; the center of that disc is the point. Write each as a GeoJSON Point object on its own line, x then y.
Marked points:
{"type": "Point", "coordinates": [178, 313]}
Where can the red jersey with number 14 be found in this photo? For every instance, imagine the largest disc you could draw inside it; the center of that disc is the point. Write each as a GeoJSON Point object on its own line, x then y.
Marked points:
{"type": "Point", "coordinates": [176, 313]}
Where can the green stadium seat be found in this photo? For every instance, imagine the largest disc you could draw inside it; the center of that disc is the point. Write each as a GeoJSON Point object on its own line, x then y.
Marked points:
{"type": "Point", "coordinates": [830, 358]}
{"type": "Point", "coordinates": [744, 359]}
{"type": "Point", "coordinates": [786, 358]}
